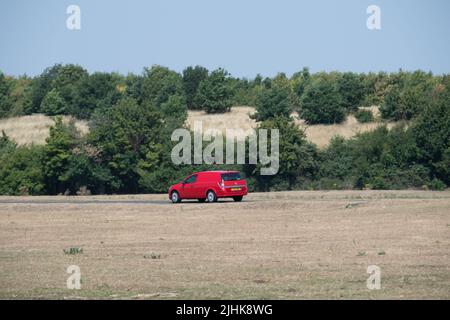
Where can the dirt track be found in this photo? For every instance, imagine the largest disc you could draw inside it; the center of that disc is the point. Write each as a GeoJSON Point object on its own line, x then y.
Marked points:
{"type": "Point", "coordinates": [289, 245]}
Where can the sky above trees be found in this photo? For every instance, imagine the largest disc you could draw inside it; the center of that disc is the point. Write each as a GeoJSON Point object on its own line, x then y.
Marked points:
{"type": "Point", "coordinates": [244, 37]}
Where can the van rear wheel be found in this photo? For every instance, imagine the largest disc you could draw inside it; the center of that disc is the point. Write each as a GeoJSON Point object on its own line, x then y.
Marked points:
{"type": "Point", "coordinates": [238, 198]}
{"type": "Point", "coordinates": [211, 196]}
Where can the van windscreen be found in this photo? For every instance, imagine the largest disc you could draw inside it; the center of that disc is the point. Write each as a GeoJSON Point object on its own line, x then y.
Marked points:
{"type": "Point", "coordinates": [231, 176]}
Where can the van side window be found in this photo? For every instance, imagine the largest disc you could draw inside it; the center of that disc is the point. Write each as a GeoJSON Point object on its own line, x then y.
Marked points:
{"type": "Point", "coordinates": [191, 179]}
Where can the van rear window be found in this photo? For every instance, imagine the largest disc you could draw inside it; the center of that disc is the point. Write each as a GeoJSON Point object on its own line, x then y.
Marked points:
{"type": "Point", "coordinates": [231, 176]}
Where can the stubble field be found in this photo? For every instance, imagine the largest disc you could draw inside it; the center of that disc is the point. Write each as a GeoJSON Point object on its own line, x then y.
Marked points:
{"type": "Point", "coordinates": [289, 245]}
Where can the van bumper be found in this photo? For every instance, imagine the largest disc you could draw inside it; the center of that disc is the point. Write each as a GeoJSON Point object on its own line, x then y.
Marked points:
{"type": "Point", "coordinates": [232, 191]}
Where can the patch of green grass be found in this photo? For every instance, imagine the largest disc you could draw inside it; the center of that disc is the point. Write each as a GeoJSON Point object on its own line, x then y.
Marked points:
{"type": "Point", "coordinates": [364, 116]}
{"type": "Point", "coordinates": [361, 253]}
{"type": "Point", "coordinates": [381, 253]}
{"type": "Point", "coordinates": [73, 251]}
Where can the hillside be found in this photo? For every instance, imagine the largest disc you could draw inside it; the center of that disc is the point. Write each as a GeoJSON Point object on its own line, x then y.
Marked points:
{"type": "Point", "coordinates": [33, 129]}
{"type": "Point", "coordinates": [318, 134]}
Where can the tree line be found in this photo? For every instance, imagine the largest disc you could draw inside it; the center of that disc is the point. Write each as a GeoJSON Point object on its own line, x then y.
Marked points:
{"type": "Point", "coordinates": [131, 118]}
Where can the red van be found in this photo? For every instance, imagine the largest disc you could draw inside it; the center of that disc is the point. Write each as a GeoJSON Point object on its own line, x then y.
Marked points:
{"type": "Point", "coordinates": [209, 186]}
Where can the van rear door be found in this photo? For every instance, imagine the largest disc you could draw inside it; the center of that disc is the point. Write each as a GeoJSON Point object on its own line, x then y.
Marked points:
{"type": "Point", "coordinates": [233, 182]}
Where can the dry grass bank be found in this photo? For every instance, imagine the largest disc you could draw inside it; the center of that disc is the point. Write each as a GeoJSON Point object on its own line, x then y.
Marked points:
{"type": "Point", "coordinates": [321, 135]}
{"type": "Point", "coordinates": [34, 129]}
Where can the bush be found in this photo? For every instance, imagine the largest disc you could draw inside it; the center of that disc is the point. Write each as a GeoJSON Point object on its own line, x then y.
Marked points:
{"type": "Point", "coordinates": [383, 159]}
{"type": "Point", "coordinates": [364, 116]}
{"type": "Point", "coordinates": [21, 171]}
{"type": "Point", "coordinates": [395, 178]}
{"type": "Point", "coordinates": [437, 184]}
{"type": "Point", "coordinates": [336, 160]}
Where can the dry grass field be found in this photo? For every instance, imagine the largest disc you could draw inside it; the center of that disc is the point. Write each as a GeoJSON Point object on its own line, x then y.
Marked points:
{"type": "Point", "coordinates": [321, 135]}
{"type": "Point", "coordinates": [34, 129]}
{"type": "Point", "coordinates": [290, 245]}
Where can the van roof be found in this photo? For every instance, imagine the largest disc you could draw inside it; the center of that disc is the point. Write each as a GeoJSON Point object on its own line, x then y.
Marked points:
{"type": "Point", "coordinates": [217, 171]}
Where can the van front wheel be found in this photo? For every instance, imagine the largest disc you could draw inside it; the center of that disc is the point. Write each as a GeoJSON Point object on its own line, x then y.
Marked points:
{"type": "Point", "coordinates": [175, 197]}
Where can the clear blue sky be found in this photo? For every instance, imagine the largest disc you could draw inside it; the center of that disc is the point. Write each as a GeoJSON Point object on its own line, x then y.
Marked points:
{"type": "Point", "coordinates": [245, 37]}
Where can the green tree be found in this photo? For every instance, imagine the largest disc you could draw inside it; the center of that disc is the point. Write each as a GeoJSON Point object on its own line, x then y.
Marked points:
{"type": "Point", "coordinates": [351, 89]}
{"type": "Point", "coordinates": [174, 111]}
{"type": "Point", "coordinates": [68, 75]}
{"type": "Point", "coordinates": [322, 103]}
{"type": "Point", "coordinates": [41, 85]}
{"type": "Point", "coordinates": [407, 95]}
{"type": "Point", "coordinates": [158, 84]}
{"type": "Point", "coordinates": [275, 100]}
{"type": "Point", "coordinates": [98, 90]}
{"type": "Point", "coordinates": [215, 94]}
{"type": "Point", "coordinates": [53, 104]}
{"type": "Point", "coordinates": [297, 157]}
{"type": "Point", "coordinates": [5, 100]}
{"type": "Point", "coordinates": [126, 133]}
{"type": "Point", "coordinates": [84, 172]}
{"type": "Point", "coordinates": [375, 86]}
{"type": "Point", "coordinates": [192, 76]}
{"type": "Point", "coordinates": [70, 163]}
{"type": "Point", "coordinates": [20, 95]}
{"type": "Point", "coordinates": [63, 78]}
{"type": "Point", "coordinates": [300, 80]}
{"type": "Point", "coordinates": [57, 152]}
{"type": "Point", "coordinates": [432, 132]}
